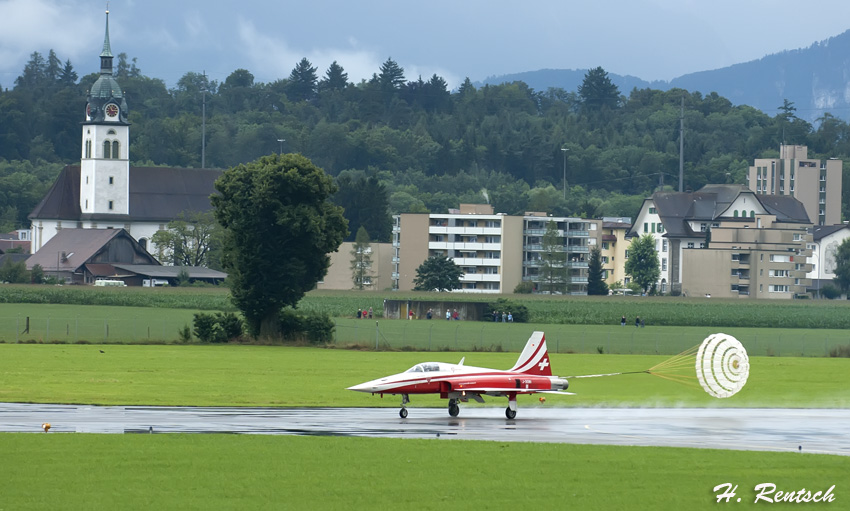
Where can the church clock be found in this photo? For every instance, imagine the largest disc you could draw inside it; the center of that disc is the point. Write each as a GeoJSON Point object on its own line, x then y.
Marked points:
{"type": "Point", "coordinates": [111, 110]}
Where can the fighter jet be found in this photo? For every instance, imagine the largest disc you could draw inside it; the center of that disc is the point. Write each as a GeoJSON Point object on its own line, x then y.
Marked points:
{"type": "Point", "coordinates": [458, 383]}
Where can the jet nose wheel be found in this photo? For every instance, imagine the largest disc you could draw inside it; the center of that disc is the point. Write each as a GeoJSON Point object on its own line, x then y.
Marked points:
{"type": "Point", "coordinates": [454, 409]}
{"type": "Point", "coordinates": [403, 413]}
{"type": "Point", "coordinates": [510, 414]}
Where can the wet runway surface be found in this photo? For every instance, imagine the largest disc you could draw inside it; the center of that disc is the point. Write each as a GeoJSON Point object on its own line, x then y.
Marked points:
{"type": "Point", "coordinates": [825, 431]}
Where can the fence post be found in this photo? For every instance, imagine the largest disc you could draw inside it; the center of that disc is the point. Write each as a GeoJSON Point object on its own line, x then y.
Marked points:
{"type": "Point", "coordinates": [377, 332]}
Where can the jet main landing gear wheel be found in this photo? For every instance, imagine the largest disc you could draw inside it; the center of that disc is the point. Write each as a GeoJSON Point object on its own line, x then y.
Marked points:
{"type": "Point", "coordinates": [454, 409]}
{"type": "Point", "coordinates": [510, 414]}
{"type": "Point", "coordinates": [404, 400]}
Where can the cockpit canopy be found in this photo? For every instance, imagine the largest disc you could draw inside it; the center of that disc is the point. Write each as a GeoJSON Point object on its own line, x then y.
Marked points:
{"type": "Point", "coordinates": [427, 367]}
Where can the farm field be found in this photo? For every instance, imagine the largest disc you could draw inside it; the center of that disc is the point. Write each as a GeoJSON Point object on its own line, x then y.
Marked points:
{"type": "Point", "coordinates": [82, 471]}
{"type": "Point", "coordinates": [63, 323]}
{"type": "Point", "coordinates": [229, 375]}
{"type": "Point", "coordinates": [656, 311]}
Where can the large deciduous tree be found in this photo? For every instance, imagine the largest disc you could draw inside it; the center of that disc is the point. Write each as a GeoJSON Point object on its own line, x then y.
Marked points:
{"type": "Point", "coordinates": [642, 264]}
{"type": "Point", "coordinates": [189, 240]}
{"type": "Point", "coordinates": [437, 273]}
{"type": "Point", "coordinates": [280, 228]}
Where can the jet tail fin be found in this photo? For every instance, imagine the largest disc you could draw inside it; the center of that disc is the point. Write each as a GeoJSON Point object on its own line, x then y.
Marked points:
{"type": "Point", "coordinates": [534, 358]}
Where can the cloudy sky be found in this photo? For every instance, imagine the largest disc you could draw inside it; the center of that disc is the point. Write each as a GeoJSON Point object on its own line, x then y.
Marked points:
{"type": "Point", "coordinates": [650, 39]}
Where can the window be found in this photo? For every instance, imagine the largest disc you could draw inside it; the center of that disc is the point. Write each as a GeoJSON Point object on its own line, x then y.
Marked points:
{"type": "Point", "coordinates": [703, 227]}
{"type": "Point", "coordinates": [627, 254]}
{"type": "Point", "coordinates": [88, 148]}
{"type": "Point", "coordinates": [652, 210]}
{"type": "Point", "coordinates": [664, 245]}
{"type": "Point", "coordinates": [660, 227]}
{"type": "Point", "coordinates": [663, 264]}
{"type": "Point", "coordinates": [653, 228]}
{"type": "Point", "coordinates": [604, 259]}
{"type": "Point", "coordinates": [115, 150]}
{"type": "Point", "coordinates": [110, 205]}
{"type": "Point", "coordinates": [702, 244]}
{"type": "Point", "coordinates": [690, 244]}
{"type": "Point", "coordinates": [492, 223]}
{"type": "Point", "coordinates": [107, 149]}
{"type": "Point", "coordinates": [735, 213]}
{"type": "Point", "coordinates": [752, 214]}
{"type": "Point", "coordinates": [605, 245]}
{"type": "Point", "coordinates": [111, 180]}
{"type": "Point", "coordinates": [645, 227]}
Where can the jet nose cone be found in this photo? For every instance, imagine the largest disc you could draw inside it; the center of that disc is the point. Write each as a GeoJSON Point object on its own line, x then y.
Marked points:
{"type": "Point", "coordinates": [363, 387]}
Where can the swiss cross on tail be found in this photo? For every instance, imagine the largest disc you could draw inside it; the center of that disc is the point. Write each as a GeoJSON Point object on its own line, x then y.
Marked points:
{"type": "Point", "coordinates": [534, 358]}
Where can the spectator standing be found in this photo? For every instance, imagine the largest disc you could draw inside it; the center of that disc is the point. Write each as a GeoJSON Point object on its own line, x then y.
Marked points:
{"type": "Point", "coordinates": [623, 321]}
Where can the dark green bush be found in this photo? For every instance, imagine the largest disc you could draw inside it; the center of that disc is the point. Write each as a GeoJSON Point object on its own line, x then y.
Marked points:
{"type": "Point", "coordinates": [218, 327]}
{"type": "Point", "coordinates": [313, 327]}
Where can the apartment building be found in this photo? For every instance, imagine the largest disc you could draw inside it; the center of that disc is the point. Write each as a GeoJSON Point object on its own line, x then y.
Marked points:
{"type": "Point", "coordinates": [824, 244]}
{"type": "Point", "coordinates": [760, 257]}
{"type": "Point", "coordinates": [815, 183]}
{"type": "Point", "coordinates": [575, 238]}
{"type": "Point", "coordinates": [694, 231]}
{"type": "Point", "coordinates": [496, 251]}
{"type": "Point", "coordinates": [613, 249]}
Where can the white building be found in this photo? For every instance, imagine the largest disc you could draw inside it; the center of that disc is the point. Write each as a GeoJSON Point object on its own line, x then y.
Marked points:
{"type": "Point", "coordinates": [104, 191]}
{"type": "Point", "coordinates": [825, 241]}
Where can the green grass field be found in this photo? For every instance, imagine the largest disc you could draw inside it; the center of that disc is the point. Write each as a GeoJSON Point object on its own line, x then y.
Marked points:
{"type": "Point", "coordinates": [84, 472]}
{"type": "Point", "coordinates": [81, 471]}
{"type": "Point", "coordinates": [50, 323]}
{"type": "Point", "coordinates": [229, 375]}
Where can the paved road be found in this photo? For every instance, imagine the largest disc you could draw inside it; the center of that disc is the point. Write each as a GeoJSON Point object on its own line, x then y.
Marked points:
{"type": "Point", "coordinates": [814, 430]}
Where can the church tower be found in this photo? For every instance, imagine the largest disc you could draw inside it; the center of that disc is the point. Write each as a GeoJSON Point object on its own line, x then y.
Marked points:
{"type": "Point", "coordinates": [105, 161]}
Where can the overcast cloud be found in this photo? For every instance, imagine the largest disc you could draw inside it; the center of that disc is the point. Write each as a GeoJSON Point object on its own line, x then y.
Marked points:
{"type": "Point", "coordinates": [650, 39]}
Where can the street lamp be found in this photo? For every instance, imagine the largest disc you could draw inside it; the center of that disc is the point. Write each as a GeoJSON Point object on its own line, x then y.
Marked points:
{"type": "Point", "coordinates": [564, 150]}
{"type": "Point", "coordinates": [281, 140]}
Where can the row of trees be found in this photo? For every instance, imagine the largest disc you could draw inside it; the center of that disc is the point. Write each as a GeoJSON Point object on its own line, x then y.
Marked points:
{"type": "Point", "coordinates": [412, 144]}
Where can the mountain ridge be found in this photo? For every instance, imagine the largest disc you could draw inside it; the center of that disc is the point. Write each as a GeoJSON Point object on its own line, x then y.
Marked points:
{"type": "Point", "coordinates": [816, 79]}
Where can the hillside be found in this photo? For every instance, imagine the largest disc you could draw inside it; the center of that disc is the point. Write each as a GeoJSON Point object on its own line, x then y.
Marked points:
{"type": "Point", "coordinates": [813, 78]}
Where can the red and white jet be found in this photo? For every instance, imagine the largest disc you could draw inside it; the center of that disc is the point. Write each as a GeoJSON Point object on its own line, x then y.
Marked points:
{"type": "Point", "coordinates": [457, 382]}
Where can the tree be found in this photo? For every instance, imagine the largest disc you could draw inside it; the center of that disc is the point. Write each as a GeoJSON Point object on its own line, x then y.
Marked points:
{"type": "Point", "coordinates": [597, 90]}
{"type": "Point", "coordinates": [595, 283]}
{"type": "Point", "coordinates": [391, 77]}
{"type": "Point", "coordinates": [14, 272]}
{"type": "Point", "coordinates": [642, 264]}
{"type": "Point", "coordinates": [553, 271]}
{"type": "Point", "coordinates": [842, 267]}
{"type": "Point", "coordinates": [280, 228]}
{"type": "Point", "coordinates": [366, 204]}
{"type": "Point", "coordinates": [302, 82]}
{"type": "Point", "coordinates": [336, 79]}
{"type": "Point", "coordinates": [189, 240]}
{"type": "Point", "coordinates": [437, 273]}
{"type": "Point", "coordinates": [361, 260]}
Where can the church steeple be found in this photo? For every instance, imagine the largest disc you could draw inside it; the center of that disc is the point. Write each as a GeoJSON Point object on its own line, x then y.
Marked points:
{"type": "Point", "coordinates": [106, 54]}
{"type": "Point", "coordinates": [105, 154]}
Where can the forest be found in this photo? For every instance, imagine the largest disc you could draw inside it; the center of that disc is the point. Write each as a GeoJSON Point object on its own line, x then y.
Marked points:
{"type": "Point", "coordinates": [401, 144]}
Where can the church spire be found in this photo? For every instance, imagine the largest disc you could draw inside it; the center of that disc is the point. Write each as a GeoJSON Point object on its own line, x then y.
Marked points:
{"type": "Point", "coordinates": [106, 54]}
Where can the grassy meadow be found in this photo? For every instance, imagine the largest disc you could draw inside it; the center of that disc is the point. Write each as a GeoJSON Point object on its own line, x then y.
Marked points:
{"type": "Point", "coordinates": [230, 375]}
{"type": "Point", "coordinates": [787, 343]}
{"type": "Point", "coordinates": [82, 472]}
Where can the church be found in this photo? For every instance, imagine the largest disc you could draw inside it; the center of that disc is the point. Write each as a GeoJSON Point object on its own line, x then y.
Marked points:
{"type": "Point", "coordinates": [104, 191]}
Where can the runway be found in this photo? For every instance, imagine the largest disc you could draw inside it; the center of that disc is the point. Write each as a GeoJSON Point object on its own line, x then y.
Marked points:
{"type": "Point", "coordinates": [822, 431]}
